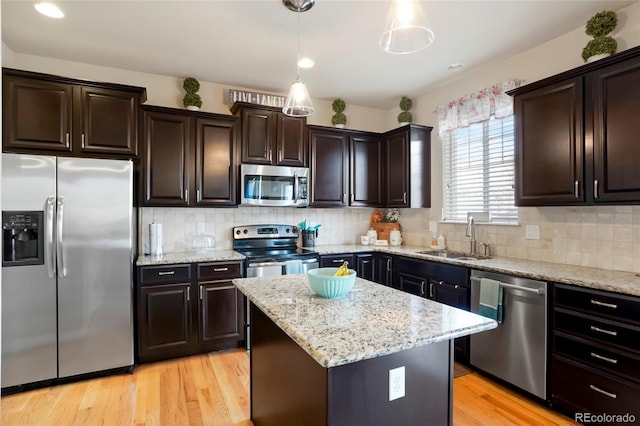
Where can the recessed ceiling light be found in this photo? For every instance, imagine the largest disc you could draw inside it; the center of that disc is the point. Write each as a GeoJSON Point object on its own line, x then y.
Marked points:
{"type": "Point", "coordinates": [455, 67]}
{"type": "Point", "coordinates": [305, 63]}
{"type": "Point", "coordinates": [49, 9]}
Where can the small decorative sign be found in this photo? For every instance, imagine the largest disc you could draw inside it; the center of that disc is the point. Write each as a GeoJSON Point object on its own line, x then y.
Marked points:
{"type": "Point", "coordinates": [257, 98]}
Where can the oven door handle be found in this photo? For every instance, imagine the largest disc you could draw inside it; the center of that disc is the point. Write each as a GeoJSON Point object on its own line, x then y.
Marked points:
{"type": "Point", "coordinates": [312, 260]}
{"type": "Point", "coordinates": [264, 264]}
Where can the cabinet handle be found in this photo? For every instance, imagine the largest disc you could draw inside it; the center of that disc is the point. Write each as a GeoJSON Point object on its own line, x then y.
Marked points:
{"type": "Point", "coordinates": [344, 198]}
{"type": "Point", "coordinates": [67, 138]}
{"type": "Point", "coordinates": [270, 157]}
{"type": "Point", "coordinates": [606, 305]}
{"type": "Point", "coordinates": [186, 195]}
{"type": "Point", "coordinates": [604, 358]}
{"type": "Point", "coordinates": [338, 261]}
{"type": "Point", "coordinates": [83, 139]}
{"type": "Point", "coordinates": [456, 286]}
{"type": "Point", "coordinates": [603, 331]}
{"type": "Point", "coordinates": [597, 389]}
{"type": "Point", "coordinates": [220, 269]}
{"type": "Point", "coordinates": [352, 198]}
{"type": "Point", "coordinates": [431, 290]}
{"type": "Point", "coordinates": [404, 198]}
{"type": "Point", "coordinates": [198, 195]}
{"type": "Point", "coordinates": [188, 294]}
{"type": "Point", "coordinates": [389, 265]}
{"type": "Point", "coordinates": [422, 285]}
{"type": "Point", "coordinates": [201, 291]}
{"type": "Point", "coordinates": [167, 273]}
{"type": "Point", "coordinates": [576, 188]}
{"type": "Point", "coordinates": [279, 155]}
{"type": "Point", "coordinates": [595, 189]}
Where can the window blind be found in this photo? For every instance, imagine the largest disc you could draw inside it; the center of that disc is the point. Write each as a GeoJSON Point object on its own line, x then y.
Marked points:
{"type": "Point", "coordinates": [478, 171]}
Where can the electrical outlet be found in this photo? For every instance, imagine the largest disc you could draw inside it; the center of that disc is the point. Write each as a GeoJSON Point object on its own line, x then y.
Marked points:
{"type": "Point", "coordinates": [396, 383]}
{"type": "Point", "coordinates": [201, 227]}
{"type": "Point", "coordinates": [532, 232]}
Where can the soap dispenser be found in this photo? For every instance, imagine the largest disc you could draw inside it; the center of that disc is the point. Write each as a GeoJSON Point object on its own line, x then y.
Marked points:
{"type": "Point", "coordinates": [441, 242]}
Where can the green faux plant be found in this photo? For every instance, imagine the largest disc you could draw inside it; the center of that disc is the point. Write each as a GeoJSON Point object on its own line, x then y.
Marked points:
{"type": "Point", "coordinates": [338, 106]}
{"type": "Point", "coordinates": [600, 24]}
{"type": "Point", "coordinates": [191, 98]}
{"type": "Point", "coordinates": [405, 105]}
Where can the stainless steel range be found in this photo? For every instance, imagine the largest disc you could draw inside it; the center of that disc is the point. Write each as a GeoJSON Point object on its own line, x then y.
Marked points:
{"type": "Point", "coordinates": [272, 250]}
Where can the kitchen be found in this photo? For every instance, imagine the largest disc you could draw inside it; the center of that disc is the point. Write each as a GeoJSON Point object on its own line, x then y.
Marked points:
{"type": "Point", "coordinates": [603, 236]}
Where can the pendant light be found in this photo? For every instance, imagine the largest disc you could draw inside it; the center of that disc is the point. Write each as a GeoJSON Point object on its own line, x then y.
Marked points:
{"type": "Point", "coordinates": [405, 32]}
{"type": "Point", "coordinates": [298, 103]}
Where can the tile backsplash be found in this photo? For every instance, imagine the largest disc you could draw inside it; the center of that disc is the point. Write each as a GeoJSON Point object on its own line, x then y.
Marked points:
{"type": "Point", "coordinates": [605, 237]}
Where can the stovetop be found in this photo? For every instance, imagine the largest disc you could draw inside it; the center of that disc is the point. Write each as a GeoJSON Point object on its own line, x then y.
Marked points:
{"type": "Point", "coordinates": [275, 254]}
{"type": "Point", "coordinates": [269, 243]}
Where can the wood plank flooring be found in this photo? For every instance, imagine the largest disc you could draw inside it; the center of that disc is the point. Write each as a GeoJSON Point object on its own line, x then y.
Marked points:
{"type": "Point", "coordinates": [213, 389]}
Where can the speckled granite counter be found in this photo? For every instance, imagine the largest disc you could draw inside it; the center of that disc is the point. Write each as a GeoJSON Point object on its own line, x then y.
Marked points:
{"type": "Point", "coordinates": [373, 320]}
{"type": "Point", "coordinates": [192, 256]}
{"type": "Point", "coordinates": [602, 279]}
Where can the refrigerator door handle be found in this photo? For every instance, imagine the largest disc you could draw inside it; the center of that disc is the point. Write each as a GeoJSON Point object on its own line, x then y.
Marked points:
{"type": "Point", "coordinates": [62, 272]}
{"type": "Point", "coordinates": [50, 254]}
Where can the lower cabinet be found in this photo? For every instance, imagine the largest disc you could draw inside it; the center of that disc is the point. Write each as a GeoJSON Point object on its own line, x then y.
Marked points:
{"type": "Point", "coordinates": [383, 269]}
{"type": "Point", "coordinates": [364, 266]}
{"type": "Point", "coordinates": [595, 353]}
{"type": "Point", "coordinates": [331, 260]}
{"type": "Point", "coordinates": [185, 309]}
{"type": "Point", "coordinates": [361, 262]}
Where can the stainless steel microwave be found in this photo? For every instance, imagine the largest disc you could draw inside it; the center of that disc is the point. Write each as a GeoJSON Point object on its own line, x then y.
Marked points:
{"type": "Point", "coordinates": [274, 186]}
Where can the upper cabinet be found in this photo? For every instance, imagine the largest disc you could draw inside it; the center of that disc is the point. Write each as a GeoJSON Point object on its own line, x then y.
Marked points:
{"type": "Point", "coordinates": [189, 158]}
{"type": "Point", "coordinates": [329, 167]}
{"type": "Point", "coordinates": [367, 170]}
{"type": "Point", "coordinates": [407, 154]}
{"type": "Point", "coordinates": [270, 137]}
{"type": "Point", "coordinates": [576, 135]}
{"type": "Point", "coordinates": [54, 115]}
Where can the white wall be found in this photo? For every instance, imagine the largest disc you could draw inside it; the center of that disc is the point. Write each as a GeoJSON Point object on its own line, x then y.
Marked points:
{"type": "Point", "coordinates": [607, 237]}
{"type": "Point", "coordinates": [167, 90]}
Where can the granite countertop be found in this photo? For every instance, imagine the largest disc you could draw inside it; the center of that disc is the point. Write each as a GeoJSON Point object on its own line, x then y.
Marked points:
{"type": "Point", "coordinates": [601, 279]}
{"type": "Point", "coordinates": [371, 321]}
{"type": "Point", "coordinates": [191, 256]}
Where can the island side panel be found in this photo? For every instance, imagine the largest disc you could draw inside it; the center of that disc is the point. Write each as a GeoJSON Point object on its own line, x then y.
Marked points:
{"type": "Point", "coordinates": [288, 387]}
{"type": "Point", "coordinates": [359, 392]}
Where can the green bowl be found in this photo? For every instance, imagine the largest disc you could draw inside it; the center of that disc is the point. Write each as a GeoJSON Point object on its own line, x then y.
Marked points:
{"type": "Point", "coordinates": [324, 283]}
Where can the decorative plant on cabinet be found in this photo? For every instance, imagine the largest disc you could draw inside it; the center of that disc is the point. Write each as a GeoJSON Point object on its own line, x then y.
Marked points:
{"type": "Point", "coordinates": [338, 119]}
{"type": "Point", "coordinates": [191, 101]}
{"type": "Point", "coordinates": [405, 117]}
{"type": "Point", "coordinates": [602, 45]}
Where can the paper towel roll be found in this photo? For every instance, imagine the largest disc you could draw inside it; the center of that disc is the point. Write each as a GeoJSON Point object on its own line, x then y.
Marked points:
{"type": "Point", "coordinates": [155, 238]}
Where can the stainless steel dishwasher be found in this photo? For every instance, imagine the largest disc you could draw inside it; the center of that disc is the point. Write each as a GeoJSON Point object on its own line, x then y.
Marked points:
{"type": "Point", "coordinates": [515, 351]}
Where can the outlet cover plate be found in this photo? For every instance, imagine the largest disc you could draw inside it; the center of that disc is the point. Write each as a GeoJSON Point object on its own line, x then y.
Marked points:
{"type": "Point", "coordinates": [201, 227]}
{"type": "Point", "coordinates": [396, 383]}
{"type": "Point", "coordinates": [532, 232]}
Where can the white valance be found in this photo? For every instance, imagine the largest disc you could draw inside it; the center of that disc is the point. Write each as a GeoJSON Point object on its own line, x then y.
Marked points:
{"type": "Point", "coordinates": [477, 107]}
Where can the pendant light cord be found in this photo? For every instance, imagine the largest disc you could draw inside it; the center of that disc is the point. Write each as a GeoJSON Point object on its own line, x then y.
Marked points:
{"type": "Point", "coordinates": [298, 53]}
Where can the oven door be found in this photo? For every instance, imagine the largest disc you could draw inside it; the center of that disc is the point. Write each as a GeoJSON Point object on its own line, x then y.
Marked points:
{"type": "Point", "coordinates": [264, 269]}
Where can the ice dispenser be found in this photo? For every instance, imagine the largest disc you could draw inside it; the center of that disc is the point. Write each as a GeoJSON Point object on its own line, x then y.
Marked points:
{"type": "Point", "coordinates": [22, 238]}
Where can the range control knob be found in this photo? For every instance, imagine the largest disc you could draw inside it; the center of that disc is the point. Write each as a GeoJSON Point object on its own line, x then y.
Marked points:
{"type": "Point", "coordinates": [246, 231]}
{"type": "Point", "coordinates": [237, 232]}
{"type": "Point", "coordinates": [287, 230]}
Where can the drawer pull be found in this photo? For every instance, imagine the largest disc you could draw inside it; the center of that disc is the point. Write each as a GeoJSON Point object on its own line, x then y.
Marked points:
{"type": "Point", "coordinates": [220, 269]}
{"type": "Point", "coordinates": [338, 261]}
{"type": "Point", "coordinates": [167, 273]}
{"type": "Point", "coordinates": [602, 330]}
{"type": "Point", "coordinates": [597, 389]}
{"type": "Point", "coordinates": [604, 358]}
{"type": "Point", "coordinates": [606, 305]}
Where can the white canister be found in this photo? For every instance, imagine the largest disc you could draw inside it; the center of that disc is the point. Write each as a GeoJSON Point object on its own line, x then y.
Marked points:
{"type": "Point", "coordinates": [395, 237]}
{"type": "Point", "coordinates": [364, 240]}
{"type": "Point", "coordinates": [373, 236]}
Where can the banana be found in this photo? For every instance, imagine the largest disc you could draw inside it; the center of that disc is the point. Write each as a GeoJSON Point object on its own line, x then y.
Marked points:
{"type": "Point", "coordinates": [342, 270]}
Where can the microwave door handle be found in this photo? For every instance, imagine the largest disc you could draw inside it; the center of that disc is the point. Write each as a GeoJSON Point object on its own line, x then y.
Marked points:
{"type": "Point", "coordinates": [50, 253]}
{"type": "Point", "coordinates": [295, 186]}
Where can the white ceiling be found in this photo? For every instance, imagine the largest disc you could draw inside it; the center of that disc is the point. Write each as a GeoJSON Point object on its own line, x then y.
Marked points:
{"type": "Point", "coordinates": [254, 43]}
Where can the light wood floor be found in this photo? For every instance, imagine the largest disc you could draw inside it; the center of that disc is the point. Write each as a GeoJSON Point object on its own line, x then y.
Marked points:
{"type": "Point", "coordinates": [213, 389]}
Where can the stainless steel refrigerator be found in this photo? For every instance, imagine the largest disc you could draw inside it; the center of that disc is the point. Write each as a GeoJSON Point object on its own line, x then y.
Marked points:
{"type": "Point", "coordinates": [67, 267]}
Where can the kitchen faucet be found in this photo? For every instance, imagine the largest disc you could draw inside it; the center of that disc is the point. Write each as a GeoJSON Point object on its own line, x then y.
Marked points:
{"type": "Point", "coordinates": [471, 232]}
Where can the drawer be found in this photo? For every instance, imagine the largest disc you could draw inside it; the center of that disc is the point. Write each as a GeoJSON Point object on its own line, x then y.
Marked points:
{"type": "Point", "coordinates": [164, 274]}
{"type": "Point", "coordinates": [598, 356]}
{"type": "Point", "coordinates": [607, 332]}
{"type": "Point", "coordinates": [336, 260]}
{"type": "Point", "coordinates": [583, 390]}
{"type": "Point", "coordinates": [611, 305]}
{"type": "Point", "coordinates": [219, 271]}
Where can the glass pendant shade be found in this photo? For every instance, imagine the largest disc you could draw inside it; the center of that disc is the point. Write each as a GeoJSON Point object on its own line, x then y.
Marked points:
{"type": "Point", "coordinates": [298, 103]}
{"type": "Point", "coordinates": [404, 33]}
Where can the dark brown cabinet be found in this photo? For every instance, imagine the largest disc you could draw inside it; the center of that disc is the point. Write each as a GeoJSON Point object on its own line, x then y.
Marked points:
{"type": "Point", "coordinates": [189, 158]}
{"type": "Point", "coordinates": [364, 265]}
{"type": "Point", "coordinates": [366, 171]}
{"type": "Point", "coordinates": [595, 351]}
{"type": "Point", "coordinates": [336, 260]}
{"type": "Point", "coordinates": [575, 135]}
{"type": "Point", "coordinates": [268, 136]}
{"type": "Point", "coordinates": [383, 269]}
{"type": "Point", "coordinates": [55, 115]}
{"type": "Point", "coordinates": [407, 154]}
{"type": "Point", "coordinates": [186, 309]}
{"type": "Point", "coordinates": [329, 167]}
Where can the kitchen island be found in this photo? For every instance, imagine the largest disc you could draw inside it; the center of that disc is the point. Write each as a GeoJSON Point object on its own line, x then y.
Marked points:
{"type": "Point", "coordinates": [378, 356]}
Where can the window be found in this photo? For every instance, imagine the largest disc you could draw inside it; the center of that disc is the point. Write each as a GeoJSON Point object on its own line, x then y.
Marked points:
{"type": "Point", "coordinates": [478, 171]}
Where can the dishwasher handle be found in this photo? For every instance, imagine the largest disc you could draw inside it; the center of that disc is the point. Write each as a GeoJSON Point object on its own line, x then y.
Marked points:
{"type": "Point", "coordinates": [538, 291]}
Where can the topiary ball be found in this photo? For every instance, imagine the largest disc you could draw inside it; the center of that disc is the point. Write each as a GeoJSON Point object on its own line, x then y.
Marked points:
{"type": "Point", "coordinates": [338, 105]}
{"type": "Point", "coordinates": [191, 85]}
{"type": "Point", "coordinates": [338, 118]}
{"type": "Point", "coordinates": [405, 117]}
{"type": "Point", "coordinates": [405, 103]}
{"type": "Point", "coordinates": [598, 45]}
{"type": "Point", "coordinates": [602, 23]}
{"type": "Point", "coordinates": [192, 99]}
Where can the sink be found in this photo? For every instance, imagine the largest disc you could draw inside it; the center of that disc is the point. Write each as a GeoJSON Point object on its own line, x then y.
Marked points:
{"type": "Point", "coordinates": [453, 255]}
